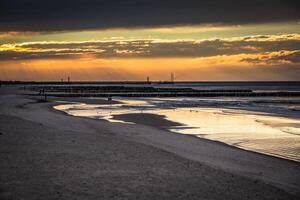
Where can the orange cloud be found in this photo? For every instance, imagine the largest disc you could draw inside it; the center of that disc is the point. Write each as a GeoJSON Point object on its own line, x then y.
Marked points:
{"type": "Point", "coordinates": [154, 48]}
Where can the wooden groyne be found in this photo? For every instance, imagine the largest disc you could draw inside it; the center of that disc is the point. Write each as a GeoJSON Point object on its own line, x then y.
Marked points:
{"type": "Point", "coordinates": [178, 94]}
{"type": "Point", "coordinates": [149, 91]}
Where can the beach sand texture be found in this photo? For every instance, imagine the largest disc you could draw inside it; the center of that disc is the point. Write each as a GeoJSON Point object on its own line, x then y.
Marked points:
{"type": "Point", "coordinates": [46, 154]}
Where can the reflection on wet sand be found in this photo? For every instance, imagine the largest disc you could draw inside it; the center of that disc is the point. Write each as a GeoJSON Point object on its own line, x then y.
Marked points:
{"type": "Point", "coordinates": [255, 131]}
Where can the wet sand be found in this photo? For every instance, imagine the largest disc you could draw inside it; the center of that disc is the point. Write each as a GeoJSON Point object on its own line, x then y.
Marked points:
{"type": "Point", "coordinates": [146, 119]}
{"type": "Point", "coordinates": [46, 154]}
{"type": "Point", "coordinates": [84, 100]}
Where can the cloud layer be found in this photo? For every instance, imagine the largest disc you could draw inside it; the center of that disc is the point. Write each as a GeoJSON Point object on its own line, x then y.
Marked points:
{"type": "Point", "coordinates": [268, 49]}
{"type": "Point", "coordinates": [65, 15]}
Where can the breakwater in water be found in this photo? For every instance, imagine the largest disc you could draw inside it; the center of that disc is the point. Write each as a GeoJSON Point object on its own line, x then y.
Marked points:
{"type": "Point", "coordinates": [149, 91]}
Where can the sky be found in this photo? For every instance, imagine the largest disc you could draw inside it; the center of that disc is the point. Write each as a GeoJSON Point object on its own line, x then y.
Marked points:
{"type": "Point", "coordinates": [101, 40]}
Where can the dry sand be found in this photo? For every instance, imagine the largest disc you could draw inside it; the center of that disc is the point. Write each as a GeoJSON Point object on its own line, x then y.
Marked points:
{"type": "Point", "coordinates": [46, 154]}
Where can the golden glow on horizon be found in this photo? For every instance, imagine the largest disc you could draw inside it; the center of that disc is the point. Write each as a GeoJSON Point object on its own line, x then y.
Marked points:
{"type": "Point", "coordinates": [210, 68]}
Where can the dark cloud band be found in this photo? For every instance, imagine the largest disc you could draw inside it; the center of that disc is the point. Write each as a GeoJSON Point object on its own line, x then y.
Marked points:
{"type": "Point", "coordinates": [62, 15]}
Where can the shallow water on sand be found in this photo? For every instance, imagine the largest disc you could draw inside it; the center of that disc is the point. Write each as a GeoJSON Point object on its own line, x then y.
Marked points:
{"type": "Point", "coordinates": [251, 130]}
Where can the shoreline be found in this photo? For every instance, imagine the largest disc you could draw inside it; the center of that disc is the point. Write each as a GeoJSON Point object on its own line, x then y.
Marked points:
{"type": "Point", "coordinates": [188, 135]}
{"type": "Point", "coordinates": [159, 143]}
{"type": "Point", "coordinates": [165, 128]}
{"type": "Point", "coordinates": [160, 121]}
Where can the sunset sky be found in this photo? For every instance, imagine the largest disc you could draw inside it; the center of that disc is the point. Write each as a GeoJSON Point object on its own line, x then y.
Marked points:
{"type": "Point", "coordinates": [129, 40]}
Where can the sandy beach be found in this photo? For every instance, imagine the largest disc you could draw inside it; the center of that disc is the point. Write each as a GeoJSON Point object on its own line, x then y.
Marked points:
{"type": "Point", "coordinates": [46, 154]}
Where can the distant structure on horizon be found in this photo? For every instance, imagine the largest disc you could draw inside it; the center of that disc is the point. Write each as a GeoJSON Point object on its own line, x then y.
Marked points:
{"type": "Point", "coordinates": [172, 77]}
